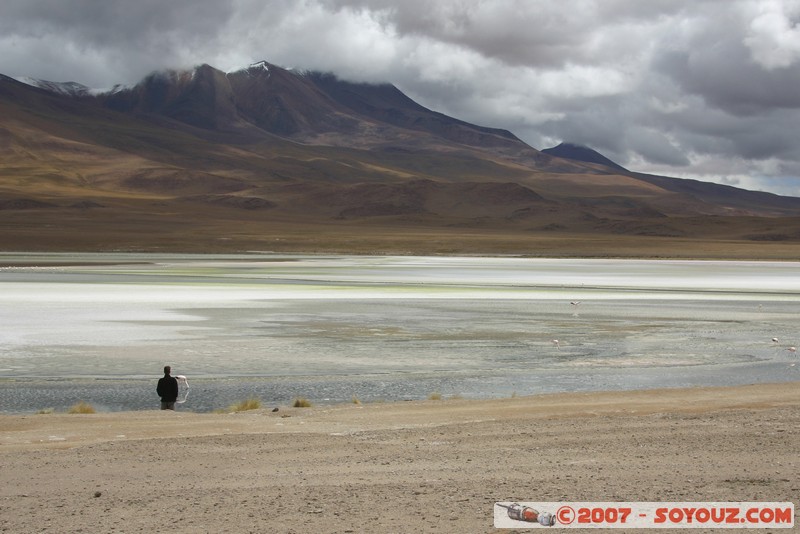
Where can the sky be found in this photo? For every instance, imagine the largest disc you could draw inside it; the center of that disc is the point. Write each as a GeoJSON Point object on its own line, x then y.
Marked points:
{"type": "Point", "coordinates": [703, 89]}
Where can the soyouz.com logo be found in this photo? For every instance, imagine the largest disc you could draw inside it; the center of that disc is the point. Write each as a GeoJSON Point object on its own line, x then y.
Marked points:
{"type": "Point", "coordinates": [644, 515]}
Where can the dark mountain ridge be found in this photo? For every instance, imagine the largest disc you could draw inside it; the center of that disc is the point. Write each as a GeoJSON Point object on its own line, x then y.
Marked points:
{"type": "Point", "coordinates": [583, 153]}
{"type": "Point", "coordinates": [733, 197]}
{"type": "Point", "coordinates": [289, 104]}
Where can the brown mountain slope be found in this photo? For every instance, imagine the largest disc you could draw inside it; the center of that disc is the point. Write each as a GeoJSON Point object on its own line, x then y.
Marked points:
{"type": "Point", "coordinates": [731, 199]}
{"type": "Point", "coordinates": [269, 158]}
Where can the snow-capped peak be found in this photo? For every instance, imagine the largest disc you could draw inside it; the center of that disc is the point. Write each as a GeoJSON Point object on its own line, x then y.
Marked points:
{"type": "Point", "coordinates": [117, 88]}
{"type": "Point", "coordinates": [252, 68]}
{"type": "Point", "coordinates": [62, 88]}
{"type": "Point", "coordinates": [74, 89]}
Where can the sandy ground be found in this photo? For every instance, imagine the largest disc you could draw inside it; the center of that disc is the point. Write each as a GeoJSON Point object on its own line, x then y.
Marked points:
{"type": "Point", "coordinates": [432, 466]}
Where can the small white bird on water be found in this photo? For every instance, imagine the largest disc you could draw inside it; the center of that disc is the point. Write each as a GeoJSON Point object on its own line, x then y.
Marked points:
{"type": "Point", "coordinates": [557, 344]}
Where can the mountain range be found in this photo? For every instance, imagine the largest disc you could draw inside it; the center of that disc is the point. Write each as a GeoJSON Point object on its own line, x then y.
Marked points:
{"type": "Point", "coordinates": [267, 158]}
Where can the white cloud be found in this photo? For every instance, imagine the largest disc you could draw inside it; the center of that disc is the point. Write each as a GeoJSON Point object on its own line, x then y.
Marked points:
{"type": "Point", "coordinates": [774, 35]}
{"type": "Point", "coordinates": [581, 81]}
{"type": "Point", "coordinates": [446, 64]}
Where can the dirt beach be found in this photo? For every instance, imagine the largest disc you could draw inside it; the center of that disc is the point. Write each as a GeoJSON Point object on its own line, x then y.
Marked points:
{"type": "Point", "coordinates": [430, 466]}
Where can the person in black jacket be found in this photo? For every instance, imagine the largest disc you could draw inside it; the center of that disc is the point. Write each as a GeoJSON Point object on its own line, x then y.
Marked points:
{"type": "Point", "coordinates": [167, 389]}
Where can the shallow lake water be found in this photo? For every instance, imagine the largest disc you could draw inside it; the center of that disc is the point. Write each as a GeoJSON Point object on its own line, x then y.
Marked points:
{"type": "Point", "coordinates": [99, 327]}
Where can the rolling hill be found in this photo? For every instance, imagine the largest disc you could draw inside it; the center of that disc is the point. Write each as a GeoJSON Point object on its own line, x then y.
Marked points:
{"type": "Point", "coordinates": [265, 158]}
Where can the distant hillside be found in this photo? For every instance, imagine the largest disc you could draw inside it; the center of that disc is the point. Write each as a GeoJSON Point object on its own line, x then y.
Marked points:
{"type": "Point", "coordinates": [582, 153]}
{"type": "Point", "coordinates": [265, 157]}
{"type": "Point", "coordinates": [733, 198]}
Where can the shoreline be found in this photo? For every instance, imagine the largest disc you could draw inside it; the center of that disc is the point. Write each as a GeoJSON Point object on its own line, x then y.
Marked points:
{"type": "Point", "coordinates": [247, 255]}
{"type": "Point", "coordinates": [20, 431]}
{"type": "Point", "coordinates": [274, 391]}
{"type": "Point", "coordinates": [419, 466]}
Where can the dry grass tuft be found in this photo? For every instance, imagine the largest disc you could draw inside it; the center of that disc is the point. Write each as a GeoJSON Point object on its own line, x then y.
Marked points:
{"type": "Point", "coordinates": [435, 396]}
{"type": "Point", "coordinates": [301, 402]}
{"type": "Point", "coordinates": [250, 403]}
{"type": "Point", "coordinates": [81, 407]}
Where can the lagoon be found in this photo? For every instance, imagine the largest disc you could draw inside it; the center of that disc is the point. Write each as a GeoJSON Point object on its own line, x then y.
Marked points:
{"type": "Point", "coordinates": [99, 327]}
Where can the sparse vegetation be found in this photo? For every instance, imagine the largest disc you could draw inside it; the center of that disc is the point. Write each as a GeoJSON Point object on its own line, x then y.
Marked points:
{"type": "Point", "coordinates": [81, 407]}
{"type": "Point", "coordinates": [435, 396]}
{"type": "Point", "coordinates": [44, 411]}
{"type": "Point", "coordinates": [301, 402]}
{"type": "Point", "coordinates": [356, 400]}
{"type": "Point", "coordinates": [250, 403]}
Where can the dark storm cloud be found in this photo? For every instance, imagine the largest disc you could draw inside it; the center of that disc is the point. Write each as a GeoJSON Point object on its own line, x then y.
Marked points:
{"type": "Point", "coordinates": [104, 42]}
{"type": "Point", "coordinates": [112, 23]}
{"type": "Point", "coordinates": [722, 71]}
{"type": "Point", "coordinates": [699, 88]}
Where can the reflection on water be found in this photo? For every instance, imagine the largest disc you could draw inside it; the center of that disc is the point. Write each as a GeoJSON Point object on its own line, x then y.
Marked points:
{"type": "Point", "coordinates": [100, 327]}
